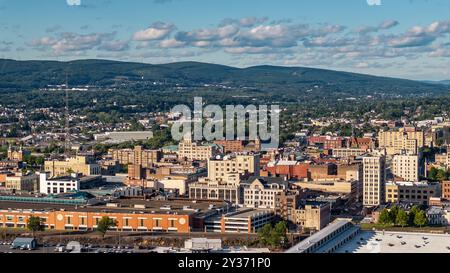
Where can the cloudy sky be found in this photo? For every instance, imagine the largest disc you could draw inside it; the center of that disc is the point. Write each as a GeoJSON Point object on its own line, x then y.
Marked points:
{"type": "Point", "coordinates": [398, 38]}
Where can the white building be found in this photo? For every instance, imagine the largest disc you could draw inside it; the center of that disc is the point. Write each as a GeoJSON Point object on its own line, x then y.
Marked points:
{"type": "Point", "coordinates": [261, 192]}
{"type": "Point", "coordinates": [374, 178]}
{"type": "Point", "coordinates": [121, 137]}
{"type": "Point", "coordinates": [179, 183]}
{"type": "Point", "coordinates": [192, 150]}
{"type": "Point", "coordinates": [406, 167]}
{"type": "Point", "coordinates": [220, 167]}
{"type": "Point", "coordinates": [203, 244]}
{"type": "Point", "coordinates": [58, 185]}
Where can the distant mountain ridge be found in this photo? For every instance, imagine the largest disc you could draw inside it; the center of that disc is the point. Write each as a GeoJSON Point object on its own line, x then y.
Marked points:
{"type": "Point", "coordinates": [23, 75]}
{"type": "Point", "coordinates": [445, 82]}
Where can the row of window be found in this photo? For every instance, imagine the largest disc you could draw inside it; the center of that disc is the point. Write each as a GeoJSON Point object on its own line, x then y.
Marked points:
{"type": "Point", "coordinates": [83, 221]}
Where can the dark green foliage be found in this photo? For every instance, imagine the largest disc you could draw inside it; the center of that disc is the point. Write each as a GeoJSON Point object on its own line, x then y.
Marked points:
{"type": "Point", "coordinates": [105, 224]}
{"type": "Point", "coordinates": [273, 236]}
{"type": "Point", "coordinates": [438, 174]}
{"type": "Point", "coordinates": [38, 74]}
{"type": "Point", "coordinates": [399, 217]}
{"type": "Point", "coordinates": [35, 224]}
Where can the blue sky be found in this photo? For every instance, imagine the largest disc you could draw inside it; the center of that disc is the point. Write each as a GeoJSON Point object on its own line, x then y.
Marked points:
{"type": "Point", "coordinates": [399, 38]}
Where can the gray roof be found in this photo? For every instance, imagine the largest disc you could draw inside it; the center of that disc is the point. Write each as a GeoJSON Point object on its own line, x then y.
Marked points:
{"type": "Point", "coordinates": [316, 237]}
{"type": "Point", "coordinates": [266, 180]}
{"type": "Point", "coordinates": [23, 240]}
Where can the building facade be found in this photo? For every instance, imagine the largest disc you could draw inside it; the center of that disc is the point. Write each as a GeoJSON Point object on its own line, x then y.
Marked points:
{"type": "Point", "coordinates": [286, 202]}
{"type": "Point", "coordinates": [313, 216]}
{"type": "Point", "coordinates": [406, 167]}
{"type": "Point", "coordinates": [58, 185]}
{"type": "Point", "coordinates": [446, 190]}
{"type": "Point", "coordinates": [348, 152]}
{"type": "Point", "coordinates": [220, 168]}
{"type": "Point", "coordinates": [374, 177]}
{"type": "Point", "coordinates": [405, 139]}
{"type": "Point", "coordinates": [79, 164]}
{"type": "Point", "coordinates": [239, 146]}
{"type": "Point", "coordinates": [411, 192]}
{"type": "Point", "coordinates": [247, 221]}
{"type": "Point", "coordinates": [261, 192]}
{"type": "Point", "coordinates": [206, 189]}
{"type": "Point", "coordinates": [22, 182]}
{"type": "Point", "coordinates": [193, 151]}
{"type": "Point", "coordinates": [136, 156]}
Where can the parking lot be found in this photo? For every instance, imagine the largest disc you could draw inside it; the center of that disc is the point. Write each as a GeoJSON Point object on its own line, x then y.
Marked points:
{"type": "Point", "coordinates": [6, 247]}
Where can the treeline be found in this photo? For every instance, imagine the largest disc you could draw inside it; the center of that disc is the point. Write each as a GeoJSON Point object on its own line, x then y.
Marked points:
{"type": "Point", "coordinates": [399, 217]}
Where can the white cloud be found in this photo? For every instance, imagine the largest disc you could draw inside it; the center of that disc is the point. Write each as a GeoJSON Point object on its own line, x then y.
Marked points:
{"type": "Point", "coordinates": [73, 2]}
{"type": "Point", "coordinates": [171, 43]}
{"type": "Point", "coordinates": [157, 31]}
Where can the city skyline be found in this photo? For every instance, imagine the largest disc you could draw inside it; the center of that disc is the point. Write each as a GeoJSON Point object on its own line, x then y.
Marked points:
{"type": "Point", "coordinates": [387, 39]}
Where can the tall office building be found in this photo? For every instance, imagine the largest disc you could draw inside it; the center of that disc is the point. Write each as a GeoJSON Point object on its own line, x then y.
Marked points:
{"type": "Point", "coordinates": [374, 175]}
{"type": "Point", "coordinates": [405, 139]}
{"type": "Point", "coordinates": [406, 167]}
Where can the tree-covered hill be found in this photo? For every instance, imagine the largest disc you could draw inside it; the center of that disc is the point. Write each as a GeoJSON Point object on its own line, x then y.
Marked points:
{"type": "Point", "coordinates": [273, 80]}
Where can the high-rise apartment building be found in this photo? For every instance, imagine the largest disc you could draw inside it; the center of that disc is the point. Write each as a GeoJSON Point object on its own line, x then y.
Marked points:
{"type": "Point", "coordinates": [406, 167]}
{"type": "Point", "coordinates": [407, 140]}
{"type": "Point", "coordinates": [374, 177]}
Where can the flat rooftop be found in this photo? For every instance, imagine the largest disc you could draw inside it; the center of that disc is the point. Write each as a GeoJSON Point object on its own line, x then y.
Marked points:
{"type": "Point", "coordinates": [122, 206]}
{"type": "Point", "coordinates": [316, 237]}
{"type": "Point", "coordinates": [397, 242]}
{"type": "Point", "coordinates": [245, 213]}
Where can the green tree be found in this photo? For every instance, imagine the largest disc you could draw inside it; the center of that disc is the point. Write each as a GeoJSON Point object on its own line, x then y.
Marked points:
{"type": "Point", "coordinates": [264, 234]}
{"type": "Point", "coordinates": [412, 214]}
{"type": "Point", "coordinates": [385, 217]}
{"type": "Point", "coordinates": [393, 212]}
{"type": "Point", "coordinates": [105, 224]}
{"type": "Point", "coordinates": [441, 175]}
{"type": "Point", "coordinates": [402, 218]}
{"type": "Point", "coordinates": [35, 224]}
{"type": "Point", "coordinates": [273, 236]}
{"type": "Point", "coordinates": [432, 174]}
{"type": "Point", "coordinates": [280, 231]}
{"type": "Point", "coordinates": [420, 219]}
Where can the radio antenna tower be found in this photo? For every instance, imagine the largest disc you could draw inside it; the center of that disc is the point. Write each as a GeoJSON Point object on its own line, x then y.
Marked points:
{"type": "Point", "coordinates": [67, 129]}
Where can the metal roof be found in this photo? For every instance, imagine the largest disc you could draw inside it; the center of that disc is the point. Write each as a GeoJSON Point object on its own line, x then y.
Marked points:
{"type": "Point", "coordinates": [316, 237]}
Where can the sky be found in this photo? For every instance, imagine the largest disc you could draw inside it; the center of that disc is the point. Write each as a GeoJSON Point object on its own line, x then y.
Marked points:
{"type": "Point", "coordinates": [395, 38]}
